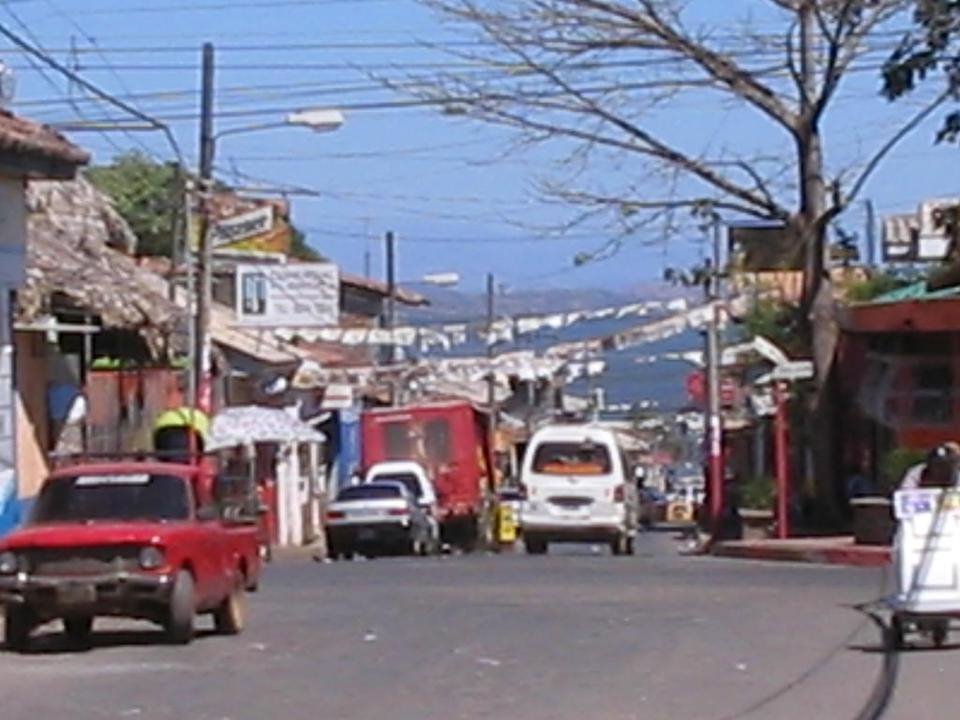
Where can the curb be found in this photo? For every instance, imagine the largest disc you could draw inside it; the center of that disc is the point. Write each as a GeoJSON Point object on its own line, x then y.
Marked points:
{"type": "Point", "coordinates": [855, 556]}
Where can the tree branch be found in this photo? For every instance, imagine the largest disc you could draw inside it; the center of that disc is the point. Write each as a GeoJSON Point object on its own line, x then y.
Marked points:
{"type": "Point", "coordinates": [894, 140]}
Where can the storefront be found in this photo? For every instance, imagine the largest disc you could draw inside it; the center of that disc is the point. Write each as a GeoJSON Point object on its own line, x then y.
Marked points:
{"type": "Point", "coordinates": [27, 151]}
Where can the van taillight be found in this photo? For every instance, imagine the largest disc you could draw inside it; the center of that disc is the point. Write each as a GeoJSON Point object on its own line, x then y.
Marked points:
{"type": "Point", "coordinates": [619, 494]}
{"type": "Point", "coordinates": [398, 511]}
{"type": "Point", "coordinates": [335, 515]}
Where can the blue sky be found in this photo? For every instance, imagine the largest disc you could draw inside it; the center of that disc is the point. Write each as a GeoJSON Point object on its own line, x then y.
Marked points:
{"type": "Point", "coordinates": [442, 184]}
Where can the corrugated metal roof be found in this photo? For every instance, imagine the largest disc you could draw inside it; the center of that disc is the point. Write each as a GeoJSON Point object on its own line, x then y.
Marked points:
{"type": "Point", "coordinates": [917, 291]}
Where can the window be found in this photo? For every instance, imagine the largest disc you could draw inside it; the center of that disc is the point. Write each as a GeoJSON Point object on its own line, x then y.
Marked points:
{"type": "Point", "coordinates": [569, 458]}
{"type": "Point", "coordinates": [113, 497]}
{"type": "Point", "coordinates": [370, 492]}
{"type": "Point", "coordinates": [437, 441]}
{"type": "Point", "coordinates": [932, 393]}
{"type": "Point", "coordinates": [253, 294]}
{"type": "Point", "coordinates": [408, 480]}
{"type": "Point", "coordinates": [397, 439]}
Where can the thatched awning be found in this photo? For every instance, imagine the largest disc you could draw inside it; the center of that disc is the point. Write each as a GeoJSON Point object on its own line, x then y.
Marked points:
{"type": "Point", "coordinates": [72, 231]}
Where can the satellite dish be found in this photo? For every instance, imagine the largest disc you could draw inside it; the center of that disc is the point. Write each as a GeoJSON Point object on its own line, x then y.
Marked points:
{"type": "Point", "coordinates": [8, 85]}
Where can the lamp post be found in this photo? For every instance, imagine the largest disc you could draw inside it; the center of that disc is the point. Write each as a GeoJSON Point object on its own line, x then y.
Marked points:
{"type": "Point", "coordinates": [319, 120]}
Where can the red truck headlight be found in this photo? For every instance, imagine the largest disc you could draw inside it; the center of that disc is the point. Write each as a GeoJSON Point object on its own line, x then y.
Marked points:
{"type": "Point", "coordinates": [152, 558]}
{"type": "Point", "coordinates": [9, 563]}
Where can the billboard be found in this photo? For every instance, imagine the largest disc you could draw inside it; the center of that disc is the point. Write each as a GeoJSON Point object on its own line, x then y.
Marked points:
{"type": "Point", "coordinates": [242, 223]}
{"type": "Point", "coordinates": [764, 248]}
{"type": "Point", "coordinates": [924, 236]}
{"type": "Point", "coordinates": [288, 295]}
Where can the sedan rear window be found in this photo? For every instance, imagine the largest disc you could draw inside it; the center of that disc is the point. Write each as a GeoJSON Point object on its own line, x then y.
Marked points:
{"type": "Point", "coordinates": [369, 492]}
{"type": "Point", "coordinates": [570, 458]}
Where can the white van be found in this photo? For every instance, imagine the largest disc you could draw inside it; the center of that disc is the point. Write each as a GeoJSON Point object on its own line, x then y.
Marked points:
{"type": "Point", "coordinates": [579, 488]}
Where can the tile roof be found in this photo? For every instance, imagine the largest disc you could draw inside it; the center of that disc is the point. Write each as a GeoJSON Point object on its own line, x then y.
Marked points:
{"type": "Point", "coordinates": [379, 287]}
{"type": "Point", "coordinates": [20, 135]}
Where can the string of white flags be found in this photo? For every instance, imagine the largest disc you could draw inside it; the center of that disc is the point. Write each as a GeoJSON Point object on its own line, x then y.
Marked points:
{"type": "Point", "coordinates": [668, 327]}
{"type": "Point", "coordinates": [502, 330]}
{"type": "Point", "coordinates": [521, 366]}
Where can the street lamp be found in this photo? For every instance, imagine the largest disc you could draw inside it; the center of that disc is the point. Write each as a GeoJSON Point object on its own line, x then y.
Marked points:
{"type": "Point", "coordinates": [438, 279]}
{"type": "Point", "coordinates": [317, 119]}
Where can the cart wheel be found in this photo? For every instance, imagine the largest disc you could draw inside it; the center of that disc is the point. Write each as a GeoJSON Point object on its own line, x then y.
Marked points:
{"type": "Point", "coordinates": [894, 634]}
{"type": "Point", "coordinates": [940, 633]}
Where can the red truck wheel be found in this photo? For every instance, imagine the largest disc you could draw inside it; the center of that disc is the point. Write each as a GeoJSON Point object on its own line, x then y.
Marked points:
{"type": "Point", "coordinates": [182, 608]}
{"type": "Point", "coordinates": [17, 626]}
{"type": "Point", "coordinates": [231, 615]}
{"type": "Point", "coordinates": [78, 630]}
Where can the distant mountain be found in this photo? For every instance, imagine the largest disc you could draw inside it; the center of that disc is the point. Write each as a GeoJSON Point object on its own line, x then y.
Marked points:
{"type": "Point", "coordinates": [455, 306]}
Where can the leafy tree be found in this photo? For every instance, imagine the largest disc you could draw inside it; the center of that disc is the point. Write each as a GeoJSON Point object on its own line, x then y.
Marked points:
{"type": "Point", "coordinates": [300, 249]}
{"type": "Point", "coordinates": [146, 194]}
{"type": "Point", "coordinates": [932, 49]}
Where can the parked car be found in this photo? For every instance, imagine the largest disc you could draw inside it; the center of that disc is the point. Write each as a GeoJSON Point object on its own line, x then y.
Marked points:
{"type": "Point", "coordinates": [375, 517]}
{"type": "Point", "coordinates": [414, 477]}
{"type": "Point", "coordinates": [579, 489]}
{"type": "Point", "coordinates": [653, 506]}
{"type": "Point", "coordinates": [129, 539]}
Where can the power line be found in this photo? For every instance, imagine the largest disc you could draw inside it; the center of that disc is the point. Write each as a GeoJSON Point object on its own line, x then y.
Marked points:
{"type": "Point", "coordinates": [83, 82]}
{"type": "Point", "coordinates": [236, 4]}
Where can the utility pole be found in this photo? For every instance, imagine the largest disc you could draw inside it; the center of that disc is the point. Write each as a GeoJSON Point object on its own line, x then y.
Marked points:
{"type": "Point", "coordinates": [391, 292]}
{"type": "Point", "coordinates": [492, 376]}
{"type": "Point", "coordinates": [871, 235]}
{"type": "Point", "coordinates": [714, 424]}
{"type": "Point", "coordinates": [390, 314]}
{"type": "Point", "coordinates": [203, 391]}
{"type": "Point", "coordinates": [781, 434]}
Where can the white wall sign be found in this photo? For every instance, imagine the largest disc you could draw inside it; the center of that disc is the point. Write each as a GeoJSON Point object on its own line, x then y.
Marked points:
{"type": "Point", "coordinates": [295, 294]}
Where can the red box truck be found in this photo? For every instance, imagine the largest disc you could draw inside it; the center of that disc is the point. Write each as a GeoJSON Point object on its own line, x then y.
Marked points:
{"type": "Point", "coordinates": [450, 440]}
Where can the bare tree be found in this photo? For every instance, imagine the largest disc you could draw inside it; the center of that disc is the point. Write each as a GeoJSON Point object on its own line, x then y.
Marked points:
{"type": "Point", "coordinates": [594, 75]}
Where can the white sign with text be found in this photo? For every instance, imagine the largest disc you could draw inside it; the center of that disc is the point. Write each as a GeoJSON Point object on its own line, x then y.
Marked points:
{"type": "Point", "coordinates": [291, 295]}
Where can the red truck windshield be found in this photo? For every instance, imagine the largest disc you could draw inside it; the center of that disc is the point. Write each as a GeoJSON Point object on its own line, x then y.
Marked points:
{"type": "Point", "coordinates": [112, 497]}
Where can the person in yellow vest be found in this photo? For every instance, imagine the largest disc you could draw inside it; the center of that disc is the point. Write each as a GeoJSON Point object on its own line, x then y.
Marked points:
{"type": "Point", "coordinates": [179, 435]}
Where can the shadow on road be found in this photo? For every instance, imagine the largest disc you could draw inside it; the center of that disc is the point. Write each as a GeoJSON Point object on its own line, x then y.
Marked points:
{"type": "Point", "coordinates": [54, 642]}
{"type": "Point", "coordinates": [909, 648]}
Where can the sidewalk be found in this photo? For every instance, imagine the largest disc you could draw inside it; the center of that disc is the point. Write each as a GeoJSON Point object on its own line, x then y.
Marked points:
{"type": "Point", "coordinates": [835, 550]}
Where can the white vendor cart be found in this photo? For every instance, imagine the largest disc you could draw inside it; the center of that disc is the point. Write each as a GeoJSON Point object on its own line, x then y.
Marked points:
{"type": "Point", "coordinates": [927, 562]}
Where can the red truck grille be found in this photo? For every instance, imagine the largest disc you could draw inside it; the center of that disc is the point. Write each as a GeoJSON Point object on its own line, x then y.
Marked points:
{"type": "Point", "coordinates": [82, 560]}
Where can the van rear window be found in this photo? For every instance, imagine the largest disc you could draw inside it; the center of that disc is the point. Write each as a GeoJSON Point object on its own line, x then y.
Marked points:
{"type": "Point", "coordinates": [558, 458]}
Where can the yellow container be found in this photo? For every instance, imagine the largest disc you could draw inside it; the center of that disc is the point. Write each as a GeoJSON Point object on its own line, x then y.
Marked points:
{"type": "Point", "coordinates": [506, 525]}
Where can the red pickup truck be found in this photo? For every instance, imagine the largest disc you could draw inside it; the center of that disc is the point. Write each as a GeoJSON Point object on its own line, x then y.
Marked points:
{"type": "Point", "coordinates": [130, 539]}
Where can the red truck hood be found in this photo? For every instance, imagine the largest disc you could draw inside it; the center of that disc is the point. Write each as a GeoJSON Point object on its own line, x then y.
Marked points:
{"type": "Point", "coordinates": [89, 534]}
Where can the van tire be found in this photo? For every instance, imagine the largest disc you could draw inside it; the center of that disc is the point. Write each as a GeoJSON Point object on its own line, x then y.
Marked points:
{"type": "Point", "coordinates": [535, 545]}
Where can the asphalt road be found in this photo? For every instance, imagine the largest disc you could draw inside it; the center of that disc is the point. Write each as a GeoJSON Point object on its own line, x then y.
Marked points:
{"type": "Point", "coordinates": [574, 635]}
